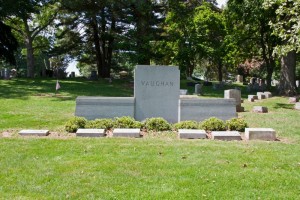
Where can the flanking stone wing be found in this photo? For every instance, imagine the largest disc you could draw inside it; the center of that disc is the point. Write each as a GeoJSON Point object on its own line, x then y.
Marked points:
{"type": "Point", "coordinates": [104, 107]}
{"type": "Point", "coordinates": [90, 133]}
{"type": "Point", "coordinates": [191, 134]}
{"type": "Point", "coordinates": [34, 132]}
{"type": "Point", "coordinates": [199, 109]}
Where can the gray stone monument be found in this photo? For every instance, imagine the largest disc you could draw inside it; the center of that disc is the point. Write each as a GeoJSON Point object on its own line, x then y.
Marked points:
{"type": "Point", "coordinates": [198, 88]}
{"type": "Point", "coordinates": [156, 92]}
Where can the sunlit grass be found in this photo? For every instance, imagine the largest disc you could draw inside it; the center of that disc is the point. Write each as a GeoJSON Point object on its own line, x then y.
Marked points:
{"type": "Point", "coordinates": [157, 166]}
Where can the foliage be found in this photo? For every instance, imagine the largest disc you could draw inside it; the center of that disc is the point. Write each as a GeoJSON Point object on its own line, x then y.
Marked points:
{"type": "Point", "coordinates": [186, 125]}
{"type": "Point", "coordinates": [74, 124]}
{"type": "Point", "coordinates": [236, 124]}
{"type": "Point", "coordinates": [157, 124]}
{"type": "Point", "coordinates": [104, 123]}
{"type": "Point", "coordinates": [126, 122]}
{"type": "Point", "coordinates": [287, 24]}
{"type": "Point", "coordinates": [213, 124]}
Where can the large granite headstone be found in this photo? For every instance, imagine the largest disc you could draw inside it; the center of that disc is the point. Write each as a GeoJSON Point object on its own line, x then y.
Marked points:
{"type": "Point", "coordinates": [156, 92]}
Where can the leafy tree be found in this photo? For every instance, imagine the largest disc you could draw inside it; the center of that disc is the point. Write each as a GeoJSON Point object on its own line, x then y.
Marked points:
{"type": "Point", "coordinates": [247, 22]}
{"type": "Point", "coordinates": [210, 30]}
{"type": "Point", "coordinates": [287, 27]}
{"type": "Point", "coordinates": [8, 44]}
{"type": "Point", "coordinates": [29, 22]}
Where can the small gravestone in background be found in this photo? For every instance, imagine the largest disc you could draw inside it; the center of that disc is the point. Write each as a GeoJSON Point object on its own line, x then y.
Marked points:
{"type": "Point", "coordinates": [198, 89]}
{"type": "Point", "coordinates": [297, 106]}
{"type": "Point", "coordinates": [297, 83]}
{"type": "Point", "coordinates": [293, 99]}
{"type": "Point", "coordinates": [260, 109]}
{"type": "Point", "coordinates": [234, 94]}
{"type": "Point", "coordinates": [239, 78]}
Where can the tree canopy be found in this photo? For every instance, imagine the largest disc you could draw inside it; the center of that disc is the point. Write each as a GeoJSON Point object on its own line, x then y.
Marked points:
{"type": "Point", "coordinates": [114, 35]}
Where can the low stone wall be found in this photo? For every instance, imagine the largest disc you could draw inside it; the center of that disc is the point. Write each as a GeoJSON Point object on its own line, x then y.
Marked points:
{"type": "Point", "coordinates": [104, 107]}
{"type": "Point", "coordinates": [200, 109]}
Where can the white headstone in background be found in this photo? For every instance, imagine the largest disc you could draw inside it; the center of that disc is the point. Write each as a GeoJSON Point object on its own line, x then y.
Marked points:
{"type": "Point", "coordinates": [156, 92]}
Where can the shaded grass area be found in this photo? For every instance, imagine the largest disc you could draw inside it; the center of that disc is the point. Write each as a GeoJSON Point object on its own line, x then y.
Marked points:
{"type": "Point", "coordinates": [33, 104]}
{"type": "Point", "coordinates": [119, 168]}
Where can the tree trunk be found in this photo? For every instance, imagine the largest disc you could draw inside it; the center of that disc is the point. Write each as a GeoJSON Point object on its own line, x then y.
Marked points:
{"type": "Point", "coordinates": [287, 84]}
{"type": "Point", "coordinates": [220, 73]}
{"type": "Point", "coordinates": [30, 57]}
{"type": "Point", "coordinates": [97, 45]}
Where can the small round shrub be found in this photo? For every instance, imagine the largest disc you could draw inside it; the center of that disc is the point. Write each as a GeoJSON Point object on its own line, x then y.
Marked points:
{"type": "Point", "coordinates": [157, 124]}
{"type": "Point", "coordinates": [100, 123]}
{"type": "Point", "coordinates": [186, 125]}
{"type": "Point", "coordinates": [126, 122]}
{"type": "Point", "coordinates": [236, 124]}
{"type": "Point", "coordinates": [213, 124]}
{"type": "Point", "coordinates": [75, 123]}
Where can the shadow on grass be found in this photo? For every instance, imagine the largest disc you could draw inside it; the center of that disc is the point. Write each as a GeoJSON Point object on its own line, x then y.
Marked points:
{"type": "Point", "coordinates": [22, 88]}
{"type": "Point", "coordinates": [284, 105]}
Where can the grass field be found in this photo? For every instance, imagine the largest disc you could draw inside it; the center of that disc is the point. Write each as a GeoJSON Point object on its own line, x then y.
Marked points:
{"type": "Point", "coordinates": [158, 166]}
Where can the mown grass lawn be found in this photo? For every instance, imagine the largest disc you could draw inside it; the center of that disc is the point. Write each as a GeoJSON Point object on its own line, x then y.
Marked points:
{"type": "Point", "coordinates": [158, 166]}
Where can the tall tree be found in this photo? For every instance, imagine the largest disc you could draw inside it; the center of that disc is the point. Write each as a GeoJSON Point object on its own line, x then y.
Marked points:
{"type": "Point", "coordinates": [287, 27]}
{"type": "Point", "coordinates": [29, 23]}
{"type": "Point", "coordinates": [248, 24]}
{"type": "Point", "coordinates": [210, 30]}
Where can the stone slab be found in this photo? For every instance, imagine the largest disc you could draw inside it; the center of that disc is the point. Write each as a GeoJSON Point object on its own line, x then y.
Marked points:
{"type": "Point", "coordinates": [297, 106]}
{"type": "Point", "coordinates": [250, 99]}
{"type": "Point", "coordinates": [226, 135]}
{"type": "Point", "coordinates": [255, 97]}
{"type": "Point", "coordinates": [260, 109]}
{"type": "Point", "coordinates": [293, 99]}
{"type": "Point", "coordinates": [90, 133]}
{"type": "Point", "coordinates": [156, 91]}
{"type": "Point", "coordinates": [191, 134]}
{"type": "Point", "coordinates": [34, 132]}
{"type": "Point", "coordinates": [104, 107]}
{"type": "Point", "coordinates": [268, 94]}
{"type": "Point", "coordinates": [261, 95]}
{"type": "Point", "coordinates": [233, 93]}
{"type": "Point", "coordinates": [260, 134]}
{"type": "Point", "coordinates": [199, 109]}
{"type": "Point", "coordinates": [126, 132]}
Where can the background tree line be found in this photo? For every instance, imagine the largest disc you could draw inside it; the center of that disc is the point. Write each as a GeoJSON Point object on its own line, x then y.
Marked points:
{"type": "Point", "coordinates": [258, 37]}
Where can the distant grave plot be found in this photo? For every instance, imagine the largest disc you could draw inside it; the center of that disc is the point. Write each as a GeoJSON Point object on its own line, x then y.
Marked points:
{"type": "Point", "coordinates": [126, 132]}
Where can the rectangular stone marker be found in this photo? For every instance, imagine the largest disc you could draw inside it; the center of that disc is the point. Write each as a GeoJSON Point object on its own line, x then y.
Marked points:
{"type": "Point", "coordinates": [104, 107]}
{"type": "Point", "coordinates": [293, 99]}
{"type": "Point", "coordinates": [297, 106]}
{"type": "Point", "coordinates": [233, 94]}
{"type": "Point", "coordinates": [191, 134]}
{"type": "Point", "coordinates": [126, 132]}
{"type": "Point", "coordinates": [251, 98]}
{"type": "Point", "coordinates": [156, 92]}
{"type": "Point", "coordinates": [90, 133]}
{"type": "Point", "coordinates": [268, 94]}
{"type": "Point", "coordinates": [34, 132]}
{"type": "Point", "coordinates": [261, 95]}
{"type": "Point", "coordinates": [260, 109]}
{"type": "Point", "coordinates": [260, 134]}
{"type": "Point", "coordinates": [226, 135]}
